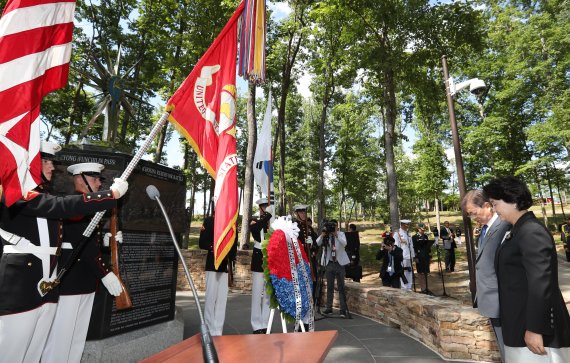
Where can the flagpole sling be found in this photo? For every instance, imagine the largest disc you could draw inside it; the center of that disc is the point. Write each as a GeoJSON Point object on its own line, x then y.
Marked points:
{"type": "Point", "coordinates": [47, 286]}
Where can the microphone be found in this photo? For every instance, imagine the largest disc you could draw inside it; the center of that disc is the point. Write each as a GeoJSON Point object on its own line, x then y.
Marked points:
{"type": "Point", "coordinates": [152, 192]}
{"type": "Point", "coordinates": [208, 350]}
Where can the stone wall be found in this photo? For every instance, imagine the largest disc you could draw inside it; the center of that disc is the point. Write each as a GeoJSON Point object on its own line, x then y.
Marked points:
{"type": "Point", "coordinates": [196, 261]}
{"type": "Point", "coordinates": [454, 330]}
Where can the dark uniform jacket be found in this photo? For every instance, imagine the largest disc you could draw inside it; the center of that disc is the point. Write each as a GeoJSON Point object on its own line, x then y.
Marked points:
{"type": "Point", "coordinates": [84, 275]}
{"type": "Point", "coordinates": [529, 294]}
{"type": "Point", "coordinates": [20, 273]}
{"type": "Point", "coordinates": [206, 242]}
{"type": "Point", "coordinates": [261, 223]}
{"type": "Point", "coordinates": [422, 250]}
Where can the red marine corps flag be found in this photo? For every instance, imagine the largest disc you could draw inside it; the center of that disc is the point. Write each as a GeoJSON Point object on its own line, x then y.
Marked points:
{"type": "Point", "coordinates": [35, 47]}
{"type": "Point", "coordinates": [203, 110]}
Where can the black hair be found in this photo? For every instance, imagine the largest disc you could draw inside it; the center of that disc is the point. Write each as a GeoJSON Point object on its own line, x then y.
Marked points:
{"type": "Point", "coordinates": [352, 227]}
{"type": "Point", "coordinates": [510, 190]}
{"type": "Point", "coordinates": [389, 240]}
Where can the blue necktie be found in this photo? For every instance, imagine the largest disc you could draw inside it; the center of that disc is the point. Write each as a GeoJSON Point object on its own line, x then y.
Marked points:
{"type": "Point", "coordinates": [482, 236]}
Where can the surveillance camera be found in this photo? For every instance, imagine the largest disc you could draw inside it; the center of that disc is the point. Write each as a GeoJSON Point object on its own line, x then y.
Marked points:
{"type": "Point", "coordinates": [477, 86]}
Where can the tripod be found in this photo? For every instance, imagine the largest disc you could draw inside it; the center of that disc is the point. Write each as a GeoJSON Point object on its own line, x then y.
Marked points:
{"type": "Point", "coordinates": [324, 261]}
{"type": "Point", "coordinates": [440, 269]}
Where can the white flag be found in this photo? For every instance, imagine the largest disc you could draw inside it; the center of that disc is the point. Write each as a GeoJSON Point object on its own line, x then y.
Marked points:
{"type": "Point", "coordinates": [263, 160]}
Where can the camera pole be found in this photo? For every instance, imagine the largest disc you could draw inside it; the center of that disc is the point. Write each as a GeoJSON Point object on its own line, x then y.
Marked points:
{"type": "Point", "coordinates": [319, 283]}
{"type": "Point", "coordinates": [440, 270]}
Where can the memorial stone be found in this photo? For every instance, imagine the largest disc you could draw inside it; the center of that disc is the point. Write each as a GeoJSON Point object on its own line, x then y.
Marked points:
{"type": "Point", "coordinates": [148, 260]}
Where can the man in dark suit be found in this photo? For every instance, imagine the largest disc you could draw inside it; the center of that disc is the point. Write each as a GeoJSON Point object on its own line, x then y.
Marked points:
{"type": "Point", "coordinates": [492, 232]}
{"type": "Point", "coordinates": [448, 239]}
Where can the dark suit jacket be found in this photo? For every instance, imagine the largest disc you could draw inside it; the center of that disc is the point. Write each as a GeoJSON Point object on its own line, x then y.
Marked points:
{"type": "Point", "coordinates": [530, 298]}
{"type": "Point", "coordinates": [487, 296]}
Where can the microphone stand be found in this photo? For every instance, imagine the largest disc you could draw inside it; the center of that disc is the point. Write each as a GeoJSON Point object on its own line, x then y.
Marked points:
{"type": "Point", "coordinates": [208, 350]}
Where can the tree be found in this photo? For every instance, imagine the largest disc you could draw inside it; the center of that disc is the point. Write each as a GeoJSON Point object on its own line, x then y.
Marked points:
{"type": "Point", "coordinates": [356, 155]}
{"type": "Point", "coordinates": [284, 48]}
{"type": "Point", "coordinates": [333, 71]}
{"type": "Point", "coordinates": [395, 39]}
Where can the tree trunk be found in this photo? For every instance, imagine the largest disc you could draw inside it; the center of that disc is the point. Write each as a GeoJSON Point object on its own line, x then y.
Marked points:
{"type": "Point", "coordinates": [541, 201]}
{"type": "Point", "coordinates": [281, 132]}
{"type": "Point", "coordinates": [549, 181]}
{"type": "Point", "coordinates": [389, 138]}
{"type": "Point", "coordinates": [248, 183]}
{"type": "Point", "coordinates": [160, 145]}
{"type": "Point", "coordinates": [74, 108]}
{"type": "Point", "coordinates": [322, 153]}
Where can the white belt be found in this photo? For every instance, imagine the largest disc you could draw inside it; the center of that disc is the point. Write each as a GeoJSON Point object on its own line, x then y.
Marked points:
{"type": "Point", "coordinates": [31, 248]}
{"type": "Point", "coordinates": [257, 245]}
{"type": "Point", "coordinates": [11, 237]}
{"type": "Point", "coordinates": [66, 246]}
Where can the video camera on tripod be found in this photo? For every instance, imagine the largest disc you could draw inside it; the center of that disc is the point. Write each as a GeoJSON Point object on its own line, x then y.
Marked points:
{"type": "Point", "coordinates": [329, 229]}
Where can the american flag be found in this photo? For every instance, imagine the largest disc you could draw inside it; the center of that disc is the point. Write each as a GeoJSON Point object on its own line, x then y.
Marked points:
{"type": "Point", "coordinates": [35, 48]}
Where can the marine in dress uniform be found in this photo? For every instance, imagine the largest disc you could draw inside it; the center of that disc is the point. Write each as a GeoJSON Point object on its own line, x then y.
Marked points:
{"type": "Point", "coordinates": [404, 241]}
{"type": "Point", "coordinates": [67, 336]}
{"type": "Point", "coordinates": [307, 235]}
{"type": "Point", "coordinates": [216, 279]}
{"type": "Point", "coordinates": [31, 236]}
{"type": "Point", "coordinates": [259, 298]}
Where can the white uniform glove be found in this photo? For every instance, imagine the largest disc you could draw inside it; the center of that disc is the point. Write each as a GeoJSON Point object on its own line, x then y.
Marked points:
{"type": "Point", "coordinates": [119, 187]}
{"type": "Point", "coordinates": [111, 282]}
{"type": "Point", "coordinates": [309, 240]}
{"type": "Point", "coordinates": [107, 238]}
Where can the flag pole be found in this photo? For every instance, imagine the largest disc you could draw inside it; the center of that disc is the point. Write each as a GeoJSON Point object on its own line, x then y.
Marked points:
{"type": "Point", "coordinates": [126, 173]}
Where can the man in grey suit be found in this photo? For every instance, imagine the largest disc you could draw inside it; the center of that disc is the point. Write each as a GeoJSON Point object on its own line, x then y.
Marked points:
{"type": "Point", "coordinates": [492, 233]}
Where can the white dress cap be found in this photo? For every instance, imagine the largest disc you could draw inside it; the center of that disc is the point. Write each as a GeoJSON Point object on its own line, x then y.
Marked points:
{"type": "Point", "coordinates": [50, 148]}
{"type": "Point", "coordinates": [92, 169]}
{"type": "Point", "coordinates": [299, 207]}
{"type": "Point", "coordinates": [405, 221]}
{"type": "Point", "coordinates": [261, 201]}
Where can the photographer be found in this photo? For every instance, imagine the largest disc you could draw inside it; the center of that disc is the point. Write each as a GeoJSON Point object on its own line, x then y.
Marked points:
{"type": "Point", "coordinates": [391, 256]}
{"type": "Point", "coordinates": [334, 257]}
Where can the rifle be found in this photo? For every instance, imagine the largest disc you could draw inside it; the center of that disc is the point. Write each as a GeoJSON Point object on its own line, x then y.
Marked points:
{"type": "Point", "coordinates": [122, 301]}
{"type": "Point", "coordinates": [309, 252]}
{"type": "Point", "coordinates": [230, 273]}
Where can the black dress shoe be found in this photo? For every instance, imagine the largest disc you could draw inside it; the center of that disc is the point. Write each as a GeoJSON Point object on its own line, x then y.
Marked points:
{"type": "Point", "coordinates": [342, 314]}
{"type": "Point", "coordinates": [327, 311]}
{"type": "Point", "coordinates": [260, 331]}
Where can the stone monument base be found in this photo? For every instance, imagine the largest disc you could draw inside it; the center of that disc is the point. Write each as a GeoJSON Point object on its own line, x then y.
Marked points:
{"type": "Point", "coordinates": [135, 345]}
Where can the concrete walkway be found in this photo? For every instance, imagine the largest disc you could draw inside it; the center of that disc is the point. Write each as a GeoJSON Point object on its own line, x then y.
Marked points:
{"type": "Point", "coordinates": [360, 339]}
